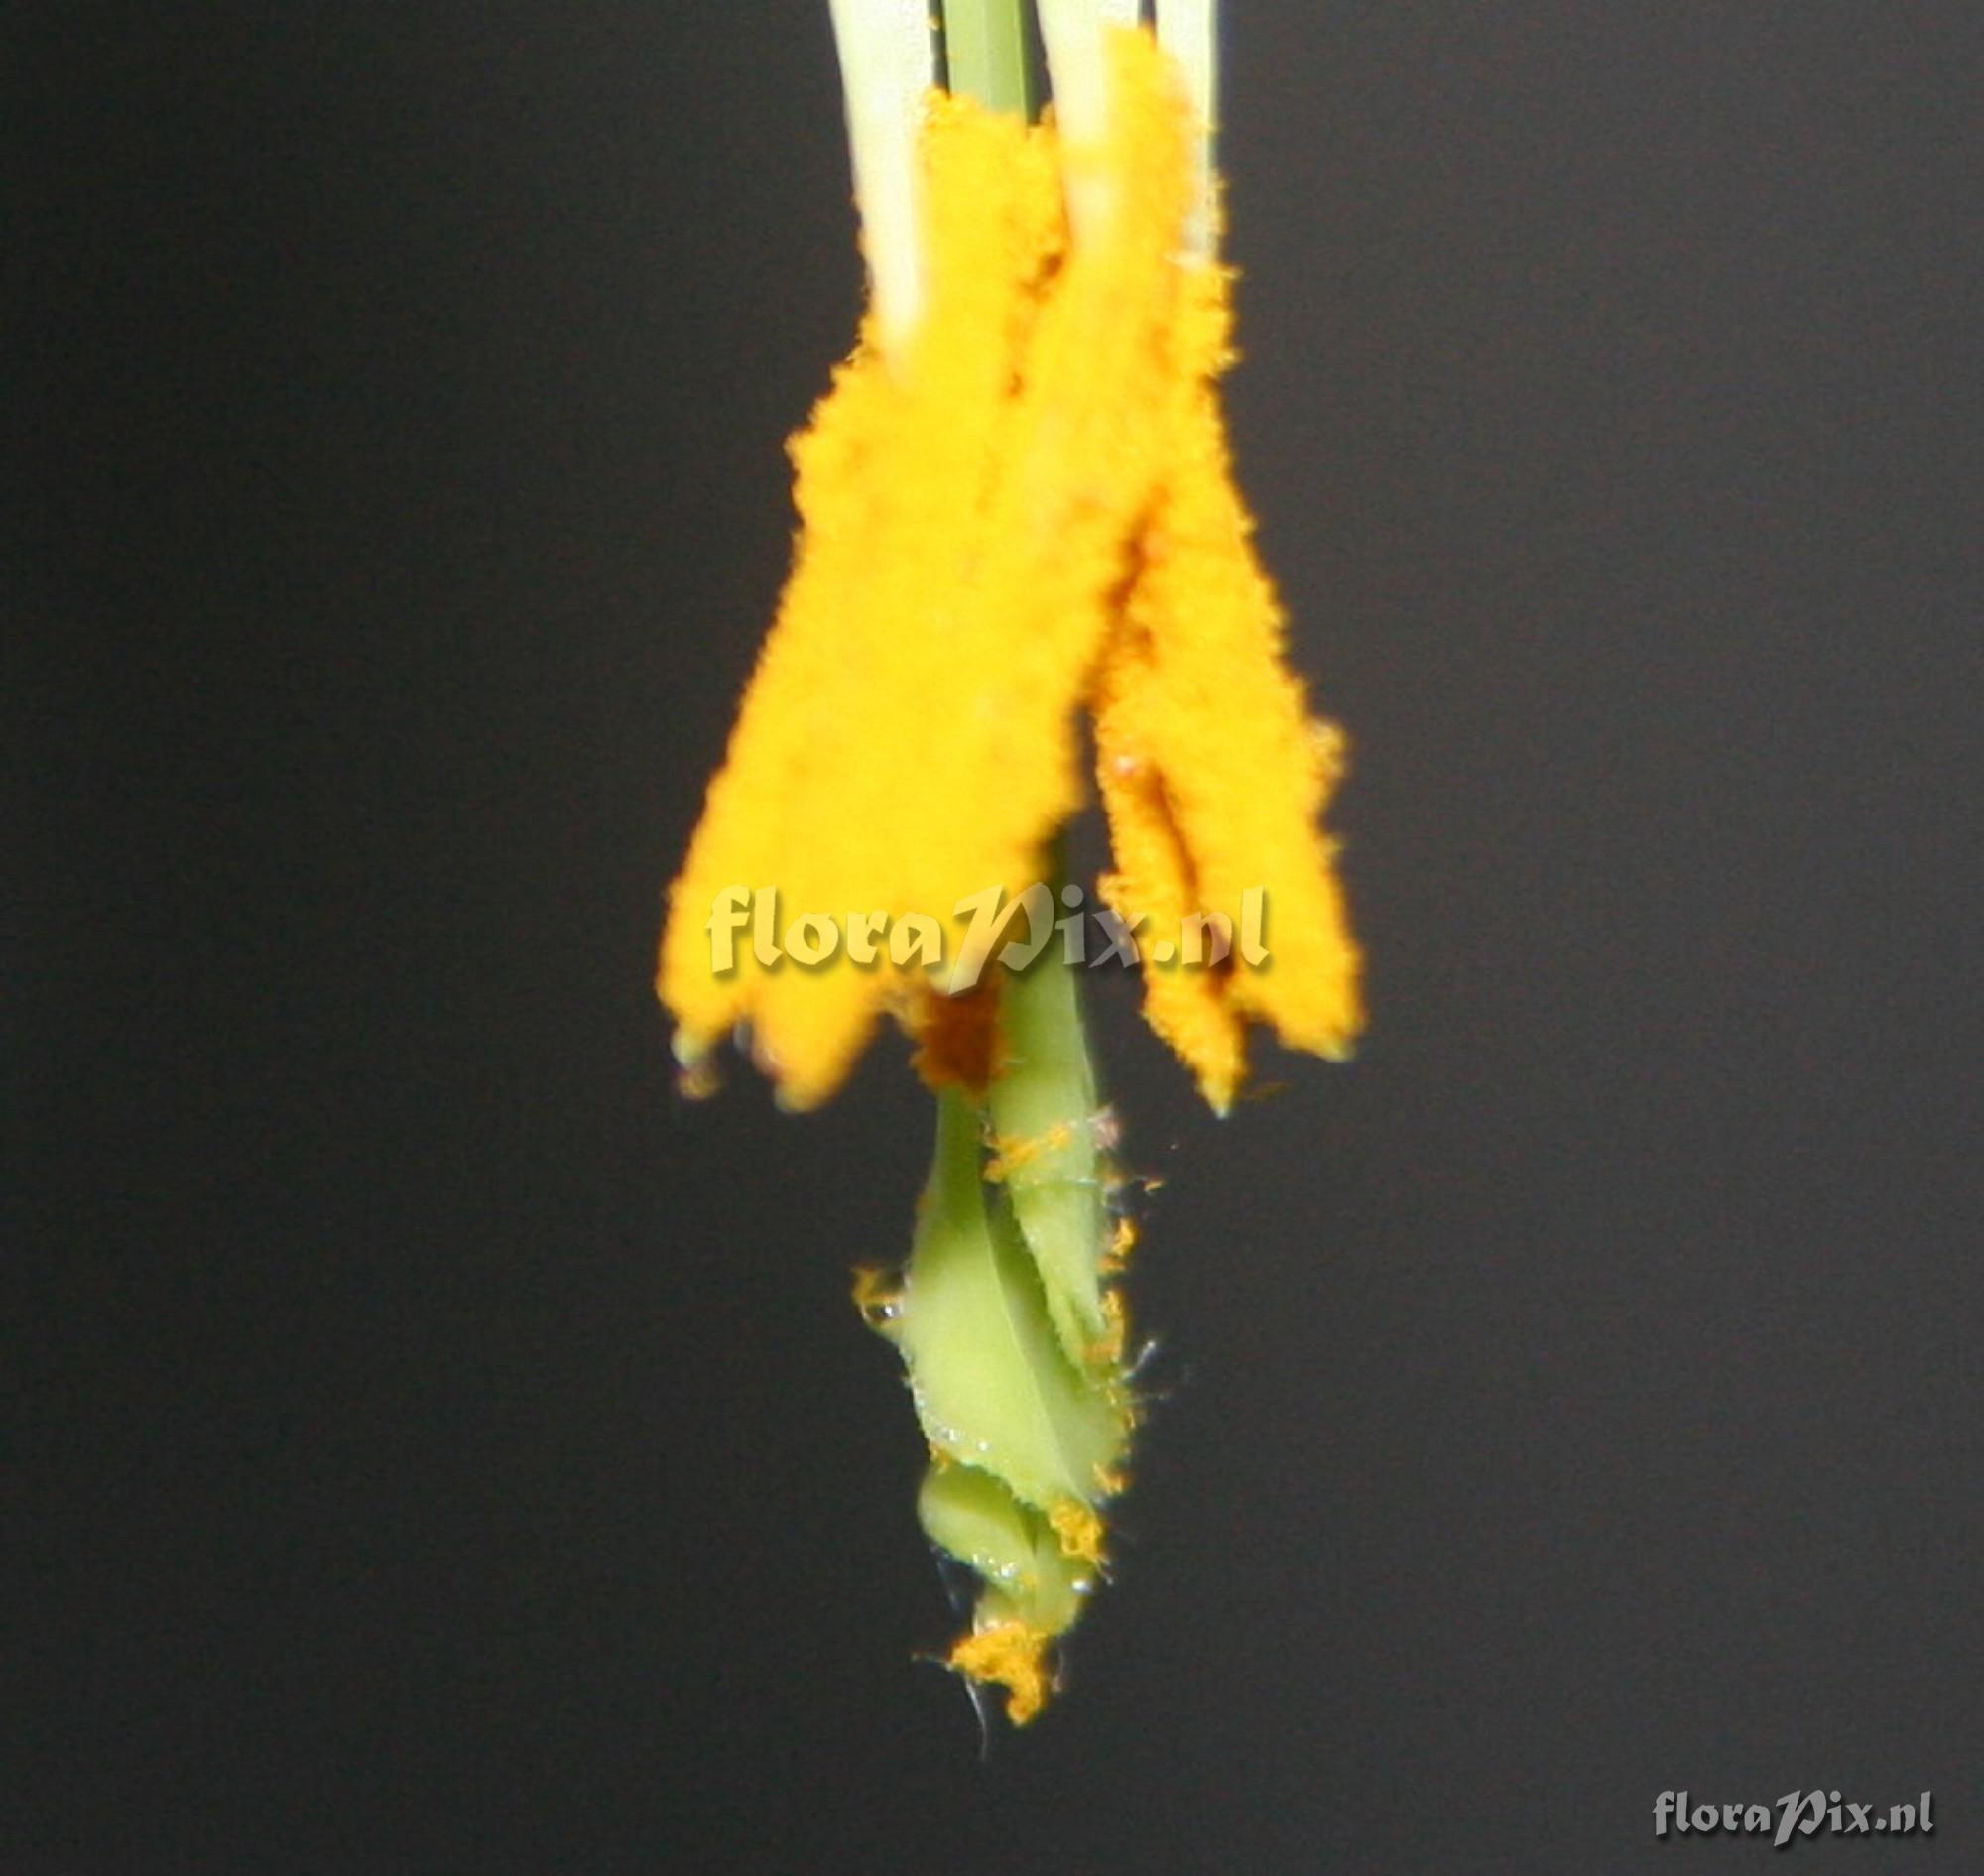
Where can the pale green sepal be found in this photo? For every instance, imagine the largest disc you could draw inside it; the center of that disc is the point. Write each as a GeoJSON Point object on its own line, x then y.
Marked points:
{"type": "Point", "coordinates": [991, 1384]}
{"type": "Point", "coordinates": [973, 1516]}
{"type": "Point", "coordinates": [1043, 1121]}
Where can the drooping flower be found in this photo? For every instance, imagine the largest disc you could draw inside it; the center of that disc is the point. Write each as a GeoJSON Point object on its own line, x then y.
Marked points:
{"type": "Point", "coordinates": [1023, 514]}
{"type": "Point", "coordinates": [1016, 511]}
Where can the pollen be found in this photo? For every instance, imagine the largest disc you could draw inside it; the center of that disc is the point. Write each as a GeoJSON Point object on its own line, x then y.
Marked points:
{"type": "Point", "coordinates": [1107, 1352]}
{"type": "Point", "coordinates": [910, 736]}
{"type": "Point", "coordinates": [1079, 1529]}
{"type": "Point", "coordinates": [1025, 513]}
{"type": "Point", "coordinates": [1011, 1655]}
{"type": "Point", "coordinates": [1214, 771]}
{"type": "Point", "coordinates": [878, 1297]}
{"type": "Point", "coordinates": [1012, 1152]}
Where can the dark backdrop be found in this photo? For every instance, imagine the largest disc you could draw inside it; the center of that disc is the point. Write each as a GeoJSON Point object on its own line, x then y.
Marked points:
{"type": "Point", "coordinates": [442, 1451]}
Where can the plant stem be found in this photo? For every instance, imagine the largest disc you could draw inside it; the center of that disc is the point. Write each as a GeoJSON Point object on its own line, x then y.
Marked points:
{"type": "Point", "coordinates": [985, 47]}
{"type": "Point", "coordinates": [885, 66]}
{"type": "Point", "coordinates": [1190, 31]}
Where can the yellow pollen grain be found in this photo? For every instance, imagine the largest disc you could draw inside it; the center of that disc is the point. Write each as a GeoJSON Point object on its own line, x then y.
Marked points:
{"type": "Point", "coordinates": [1011, 1655]}
{"type": "Point", "coordinates": [1011, 1152]}
{"type": "Point", "coordinates": [1106, 1351]}
{"type": "Point", "coordinates": [1122, 1241]}
{"type": "Point", "coordinates": [1080, 1530]}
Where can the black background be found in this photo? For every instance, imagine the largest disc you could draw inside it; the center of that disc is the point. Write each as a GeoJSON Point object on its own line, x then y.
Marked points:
{"type": "Point", "coordinates": [443, 1450]}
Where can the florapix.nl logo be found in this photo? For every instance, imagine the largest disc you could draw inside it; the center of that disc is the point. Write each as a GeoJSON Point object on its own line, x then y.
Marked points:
{"type": "Point", "coordinates": [1016, 930]}
{"type": "Point", "coordinates": [1794, 1815]}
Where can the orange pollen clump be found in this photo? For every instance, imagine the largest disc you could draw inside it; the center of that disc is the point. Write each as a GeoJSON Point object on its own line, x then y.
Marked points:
{"type": "Point", "coordinates": [1015, 1657]}
{"type": "Point", "coordinates": [1080, 1530]}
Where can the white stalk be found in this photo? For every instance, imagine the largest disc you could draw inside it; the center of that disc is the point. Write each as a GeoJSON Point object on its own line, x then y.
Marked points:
{"type": "Point", "coordinates": [1072, 34]}
{"type": "Point", "coordinates": [1188, 30]}
{"type": "Point", "coordinates": [887, 65]}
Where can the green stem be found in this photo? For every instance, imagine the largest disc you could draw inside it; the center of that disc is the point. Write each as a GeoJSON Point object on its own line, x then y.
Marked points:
{"type": "Point", "coordinates": [985, 47]}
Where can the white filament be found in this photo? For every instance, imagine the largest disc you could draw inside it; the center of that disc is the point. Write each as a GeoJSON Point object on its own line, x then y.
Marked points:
{"type": "Point", "coordinates": [1188, 30]}
{"type": "Point", "coordinates": [885, 66]}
